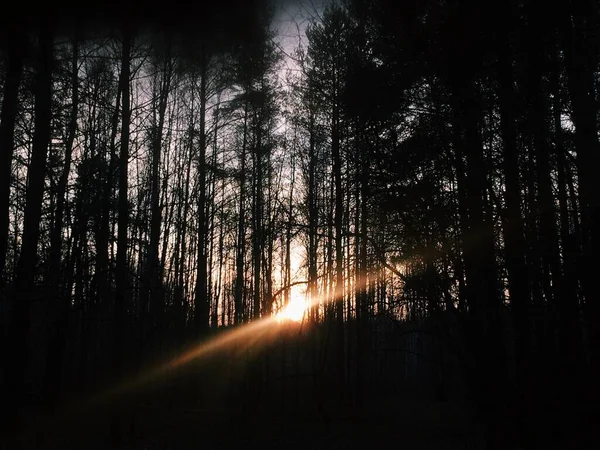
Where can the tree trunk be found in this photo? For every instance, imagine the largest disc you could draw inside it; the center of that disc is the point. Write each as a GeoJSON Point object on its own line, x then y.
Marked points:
{"type": "Point", "coordinates": [10, 101]}
{"type": "Point", "coordinates": [570, 336]}
{"type": "Point", "coordinates": [25, 282]}
{"type": "Point", "coordinates": [241, 230]}
{"type": "Point", "coordinates": [201, 302]}
{"type": "Point", "coordinates": [257, 219]}
{"type": "Point", "coordinates": [580, 49]}
{"type": "Point", "coordinates": [312, 216]}
{"type": "Point", "coordinates": [483, 321]}
{"type": "Point", "coordinates": [60, 301]}
{"type": "Point", "coordinates": [122, 267]}
{"type": "Point", "coordinates": [338, 296]}
{"type": "Point", "coordinates": [104, 236]}
{"type": "Point", "coordinates": [514, 236]}
{"type": "Point", "coordinates": [539, 137]}
{"type": "Point", "coordinates": [153, 283]}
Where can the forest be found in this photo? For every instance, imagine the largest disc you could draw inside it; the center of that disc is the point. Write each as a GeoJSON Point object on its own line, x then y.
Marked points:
{"type": "Point", "coordinates": [299, 224]}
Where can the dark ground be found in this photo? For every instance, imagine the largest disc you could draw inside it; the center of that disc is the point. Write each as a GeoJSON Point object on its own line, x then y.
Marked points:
{"type": "Point", "coordinates": [277, 396]}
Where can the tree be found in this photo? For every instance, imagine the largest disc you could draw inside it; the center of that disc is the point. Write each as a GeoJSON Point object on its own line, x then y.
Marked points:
{"type": "Point", "coordinates": [122, 267]}
{"type": "Point", "coordinates": [25, 279]}
{"type": "Point", "coordinates": [59, 308]}
{"type": "Point", "coordinates": [14, 69]}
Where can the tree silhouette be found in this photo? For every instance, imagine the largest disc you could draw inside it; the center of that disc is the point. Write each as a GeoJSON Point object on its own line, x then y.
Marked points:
{"type": "Point", "coordinates": [421, 171]}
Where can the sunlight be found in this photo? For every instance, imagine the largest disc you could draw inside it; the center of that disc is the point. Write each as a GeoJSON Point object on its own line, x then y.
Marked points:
{"type": "Point", "coordinates": [251, 335]}
{"type": "Point", "coordinates": [255, 334]}
{"type": "Point", "coordinates": [295, 309]}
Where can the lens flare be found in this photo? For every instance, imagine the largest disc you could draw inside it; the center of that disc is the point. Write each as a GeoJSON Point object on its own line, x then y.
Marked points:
{"type": "Point", "coordinates": [253, 335]}
{"type": "Point", "coordinates": [294, 311]}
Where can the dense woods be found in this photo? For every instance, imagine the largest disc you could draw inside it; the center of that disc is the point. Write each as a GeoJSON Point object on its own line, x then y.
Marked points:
{"type": "Point", "coordinates": [417, 175]}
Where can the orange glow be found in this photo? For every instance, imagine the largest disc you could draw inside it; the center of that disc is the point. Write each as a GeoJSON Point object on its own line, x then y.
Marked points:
{"type": "Point", "coordinates": [240, 337]}
{"type": "Point", "coordinates": [254, 334]}
{"type": "Point", "coordinates": [296, 308]}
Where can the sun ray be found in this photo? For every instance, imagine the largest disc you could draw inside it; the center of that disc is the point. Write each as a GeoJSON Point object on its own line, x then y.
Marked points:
{"type": "Point", "coordinates": [253, 334]}
{"type": "Point", "coordinates": [295, 309]}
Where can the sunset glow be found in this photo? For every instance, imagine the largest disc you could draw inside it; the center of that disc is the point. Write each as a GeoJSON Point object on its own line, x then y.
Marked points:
{"type": "Point", "coordinates": [294, 310]}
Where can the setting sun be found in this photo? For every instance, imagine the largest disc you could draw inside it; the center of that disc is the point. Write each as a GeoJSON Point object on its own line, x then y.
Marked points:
{"type": "Point", "coordinates": [295, 309]}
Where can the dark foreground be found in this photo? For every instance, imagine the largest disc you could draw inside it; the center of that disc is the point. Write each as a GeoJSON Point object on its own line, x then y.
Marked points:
{"type": "Point", "coordinates": [281, 391]}
{"type": "Point", "coordinates": [287, 390]}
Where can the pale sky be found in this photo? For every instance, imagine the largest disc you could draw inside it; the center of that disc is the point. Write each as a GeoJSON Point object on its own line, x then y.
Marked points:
{"type": "Point", "coordinates": [291, 18]}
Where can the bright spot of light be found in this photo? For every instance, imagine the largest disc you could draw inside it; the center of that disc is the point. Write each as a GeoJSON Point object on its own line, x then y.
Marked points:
{"type": "Point", "coordinates": [295, 309]}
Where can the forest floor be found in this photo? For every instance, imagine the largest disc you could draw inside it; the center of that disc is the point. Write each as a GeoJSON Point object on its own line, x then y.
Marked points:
{"type": "Point", "coordinates": [226, 403]}
{"type": "Point", "coordinates": [412, 425]}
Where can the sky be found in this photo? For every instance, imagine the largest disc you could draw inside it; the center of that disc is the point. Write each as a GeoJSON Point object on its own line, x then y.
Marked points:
{"type": "Point", "coordinates": [290, 20]}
